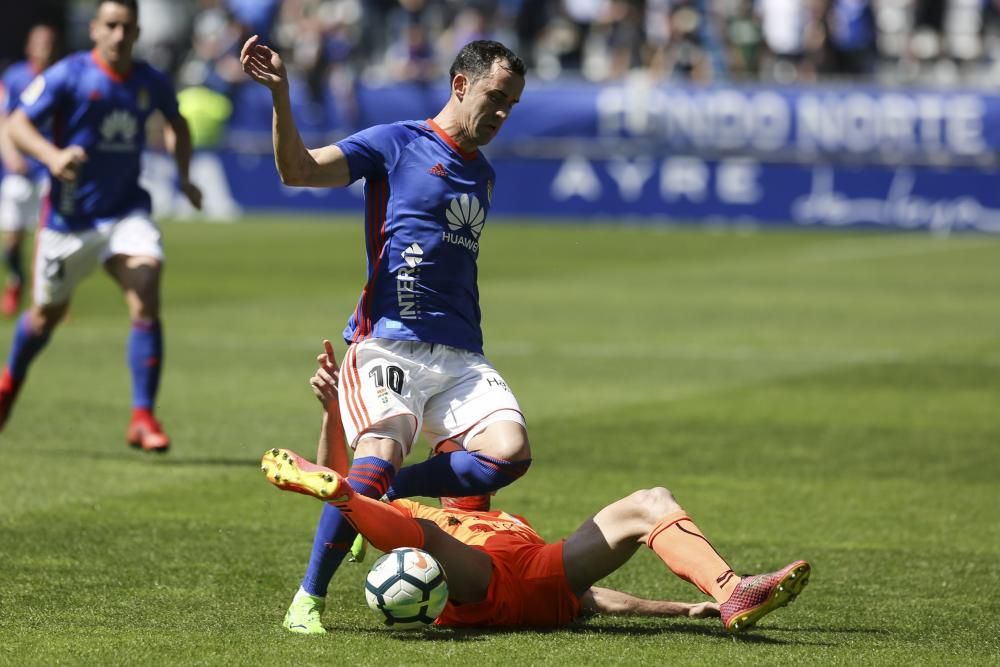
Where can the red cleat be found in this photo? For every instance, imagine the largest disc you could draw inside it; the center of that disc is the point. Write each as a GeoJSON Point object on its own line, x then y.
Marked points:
{"type": "Point", "coordinates": [758, 595]}
{"type": "Point", "coordinates": [145, 432]}
{"type": "Point", "coordinates": [8, 392]}
{"type": "Point", "coordinates": [11, 299]}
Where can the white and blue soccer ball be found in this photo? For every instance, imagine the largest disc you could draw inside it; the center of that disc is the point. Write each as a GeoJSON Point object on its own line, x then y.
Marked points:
{"type": "Point", "coordinates": [407, 587]}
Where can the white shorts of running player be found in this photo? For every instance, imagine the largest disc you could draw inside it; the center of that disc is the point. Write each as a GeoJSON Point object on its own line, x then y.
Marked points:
{"type": "Point", "coordinates": [20, 201]}
{"type": "Point", "coordinates": [64, 259]}
{"type": "Point", "coordinates": [449, 393]}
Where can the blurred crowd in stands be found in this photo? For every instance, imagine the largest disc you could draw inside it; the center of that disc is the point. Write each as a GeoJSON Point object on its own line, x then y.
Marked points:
{"type": "Point", "coordinates": [332, 42]}
{"type": "Point", "coordinates": [332, 45]}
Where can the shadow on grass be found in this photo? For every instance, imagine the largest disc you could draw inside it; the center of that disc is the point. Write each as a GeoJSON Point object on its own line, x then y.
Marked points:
{"type": "Point", "coordinates": [154, 458]}
{"type": "Point", "coordinates": [474, 635]}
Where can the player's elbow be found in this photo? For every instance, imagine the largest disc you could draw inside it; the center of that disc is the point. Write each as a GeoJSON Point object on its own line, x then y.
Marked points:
{"type": "Point", "coordinates": [291, 175]}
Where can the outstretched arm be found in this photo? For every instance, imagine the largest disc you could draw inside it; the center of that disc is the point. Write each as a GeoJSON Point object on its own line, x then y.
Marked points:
{"type": "Point", "coordinates": [332, 449]}
{"type": "Point", "coordinates": [321, 167]}
{"type": "Point", "coordinates": [616, 603]}
{"type": "Point", "coordinates": [63, 163]}
{"type": "Point", "coordinates": [13, 161]}
{"type": "Point", "coordinates": [179, 139]}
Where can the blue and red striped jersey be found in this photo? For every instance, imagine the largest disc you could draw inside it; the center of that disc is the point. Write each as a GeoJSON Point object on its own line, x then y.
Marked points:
{"type": "Point", "coordinates": [426, 202]}
{"type": "Point", "coordinates": [92, 106]}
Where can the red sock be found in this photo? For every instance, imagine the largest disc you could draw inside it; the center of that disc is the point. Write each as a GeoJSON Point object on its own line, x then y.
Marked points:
{"type": "Point", "coordinates": [682, 547]}
{"type": "Point", "coordinates": [383, 525]}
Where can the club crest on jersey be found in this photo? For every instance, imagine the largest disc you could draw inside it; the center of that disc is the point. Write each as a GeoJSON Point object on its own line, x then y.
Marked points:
{"type": "Point", "coordinates": [142, 99]}
{"type": "Point", "coordinates": [118, 131]}
{"type": "Point", "coordinates": [34, 90]}
{"type": "Point", "coordinates": [465, 214]}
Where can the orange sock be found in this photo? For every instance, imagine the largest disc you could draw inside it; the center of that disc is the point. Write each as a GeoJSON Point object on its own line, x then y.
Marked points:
{"type": "Point", "coordinates": [382, 524]}
{"type": "Point", "coordinates": [689, 555]}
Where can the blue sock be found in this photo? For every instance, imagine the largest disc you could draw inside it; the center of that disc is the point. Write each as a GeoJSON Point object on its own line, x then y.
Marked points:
{"type": "Point", "coordinates": [12, 258]}
{"type": "Point", "coordinates": [26, 346]}
{"type": "Point", "coordinates": [369, 476]}
{"type": "Point", "coordinates": [456, 474]}
{"type": "Point", "coordinates": [145, 358]}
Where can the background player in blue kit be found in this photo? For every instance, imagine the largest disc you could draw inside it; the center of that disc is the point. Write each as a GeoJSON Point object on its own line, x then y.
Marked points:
{"type": "Point", "coordinates": [415, 358]}
{"type": "Point", "coordinates": [98, 103]}
{"type": "Point", "coordinates": [24, 179]}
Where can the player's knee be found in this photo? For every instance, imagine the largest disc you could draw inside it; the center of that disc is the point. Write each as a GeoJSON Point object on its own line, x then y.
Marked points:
{"type": "Point", "coordinates": [656, 501]}
{"type": "Point", "coordinates": [45, 318]}
{"type": "Point", "coordinates": [506, 440]}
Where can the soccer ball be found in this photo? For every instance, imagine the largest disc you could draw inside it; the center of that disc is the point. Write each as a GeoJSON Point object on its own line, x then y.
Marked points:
{"type": "Point", "coordinates": [407, 587]}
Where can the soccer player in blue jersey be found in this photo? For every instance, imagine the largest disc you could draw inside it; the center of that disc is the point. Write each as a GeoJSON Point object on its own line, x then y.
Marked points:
{"type": "Point", "coordinates": [25, 179]}
{"type": "Point", "coordinates": [98, 102]}
{"type": "Point", "coordinates": [415, 359]}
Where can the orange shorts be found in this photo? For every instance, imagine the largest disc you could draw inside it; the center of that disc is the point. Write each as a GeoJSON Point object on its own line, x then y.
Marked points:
{"type": "Point", "coordinates": [528, 589]}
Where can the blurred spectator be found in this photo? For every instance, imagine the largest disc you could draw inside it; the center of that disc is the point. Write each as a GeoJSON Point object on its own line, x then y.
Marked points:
{"type": "Point", "coordinates": [676, 49]}
{"type": "Point", "coordinates": [850, 26]}
{"type": "Point", "coordinates": [743, 39]}
{"type": "Point", "coordinates": [214, 58]}
{"type": "Point", "coordinates": [792, 33]}
{"type": "Point", "coordinates": [256, 16]}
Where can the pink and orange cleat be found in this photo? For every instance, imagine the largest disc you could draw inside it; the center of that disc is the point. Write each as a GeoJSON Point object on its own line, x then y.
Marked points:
{"type": "Point", "coordinates": [758, 595]}
{"type": "Point", "coordinates": [290, 472]}
{"type": "Point", "coordinates": [144, 432]}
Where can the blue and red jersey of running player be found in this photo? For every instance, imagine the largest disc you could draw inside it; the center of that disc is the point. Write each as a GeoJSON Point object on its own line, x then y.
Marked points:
{"type": "Point", "coordinates": [426, 202]}
{"type": "Point", "coordinates": [15, 79]}
{"type": "Point", "coordinates": [92, 106]}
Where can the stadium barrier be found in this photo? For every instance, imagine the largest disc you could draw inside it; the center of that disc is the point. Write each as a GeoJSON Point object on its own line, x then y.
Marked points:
{"type": "Point", "coordinates": [831, 156]}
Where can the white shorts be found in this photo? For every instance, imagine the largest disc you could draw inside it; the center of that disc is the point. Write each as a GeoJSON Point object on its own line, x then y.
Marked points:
{"type": "Point", "coordinates": [20, 201]}
{"type": "Point", "coordinates": [450, 394]}
{"type": "Point", "coordinates": [64, 259]}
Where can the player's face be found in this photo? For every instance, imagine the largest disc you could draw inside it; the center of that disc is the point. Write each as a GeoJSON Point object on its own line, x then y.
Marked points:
{"type": "Point", "coordinates": [488, 102]}
{"type": "Point", "coordinates": [114, 31]}
{"type": "Point", "coordinates": [41, 46]}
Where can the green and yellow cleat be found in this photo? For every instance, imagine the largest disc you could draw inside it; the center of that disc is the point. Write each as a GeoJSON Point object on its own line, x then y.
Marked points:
{"type": "Point", "coordinates": [304, 614]}
{"type": "Point", "coordinates": [290, 472]}
{"type": "Point", "coordinates": [758, 595]}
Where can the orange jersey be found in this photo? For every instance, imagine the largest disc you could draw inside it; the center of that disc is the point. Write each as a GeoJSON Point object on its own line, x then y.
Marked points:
{"type": "Point", "coordinates": [472, 528]}
{"type": "Point", "coordinates": [528, 587]}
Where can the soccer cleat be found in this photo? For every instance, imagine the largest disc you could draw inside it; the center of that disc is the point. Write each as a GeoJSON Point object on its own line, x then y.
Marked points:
{"type": "Point", "coordinates": [290, 472]}
{"type": "Point", "coordinates": [466, 503]}
{"type": "Point", "coordinates": [758, 595]}
{"type": "Point", "coordinates": [359, 549]}
{"type": "Point", "coordinates": [144, 432]}
{"type": "Point", "coordinates": [11, 299]}
{"type": "Point", "coordinates": [8, 393]}
{"type": "Point", "coordinates": [304, 615]}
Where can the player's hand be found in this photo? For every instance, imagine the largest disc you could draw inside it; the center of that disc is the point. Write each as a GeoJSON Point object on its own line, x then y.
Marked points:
{"type": "Point", "coordinates": [324, 380]}
{"type": "Point", "coordinates": [192, 192]}
{"type": "Point", "coordinates": [67, 163]}
{"type": "Point", "coordinates": [704, 610]}
{"type": "Point", "coordinates": [263, 65]}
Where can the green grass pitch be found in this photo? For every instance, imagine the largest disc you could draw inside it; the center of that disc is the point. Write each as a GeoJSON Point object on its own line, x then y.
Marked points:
{"type": "Point", "coordinates": [833, 396]}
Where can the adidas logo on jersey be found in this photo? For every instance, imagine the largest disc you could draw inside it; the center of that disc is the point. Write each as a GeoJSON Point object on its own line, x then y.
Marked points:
{"type": "Point", "coordinates": [438, 170]}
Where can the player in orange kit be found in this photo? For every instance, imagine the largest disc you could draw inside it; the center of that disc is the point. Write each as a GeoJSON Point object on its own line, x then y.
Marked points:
{"type": "Point", "coordinates": [501, 573]}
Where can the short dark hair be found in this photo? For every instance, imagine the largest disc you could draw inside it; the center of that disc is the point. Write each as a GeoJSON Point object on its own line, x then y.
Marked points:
{"type": "Point", "coordinates": [476, 59]}
{"type": "Point", "coordinates": [130, 4]}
